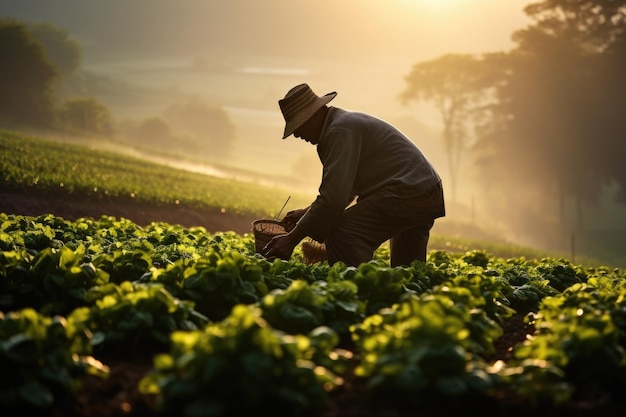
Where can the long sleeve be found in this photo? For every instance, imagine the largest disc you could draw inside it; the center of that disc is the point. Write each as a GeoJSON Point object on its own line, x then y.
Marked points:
{"type": "Point", "coordinates": [340, 156]}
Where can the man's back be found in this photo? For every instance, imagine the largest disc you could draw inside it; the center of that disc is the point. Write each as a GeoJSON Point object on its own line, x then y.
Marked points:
{"type": "Point", "coordinates": [380, 155]}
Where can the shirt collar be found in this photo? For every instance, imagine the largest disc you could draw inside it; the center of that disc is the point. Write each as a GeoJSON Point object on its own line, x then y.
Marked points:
{"type": "Point", "coordinates": [329, 118]}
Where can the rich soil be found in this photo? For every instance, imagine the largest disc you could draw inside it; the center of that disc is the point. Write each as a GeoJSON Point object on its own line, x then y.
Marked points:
{"type": "Point", "coordinates": [118, 395]}
{"type": "Point", "coordinates": [72, 208]}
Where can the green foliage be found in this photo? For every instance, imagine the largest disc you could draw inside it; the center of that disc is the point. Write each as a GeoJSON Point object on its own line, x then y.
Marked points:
{"type": "Point", "coordinates": [537, 381]}
{"type": "Point", "coordinates": [43, 359]}
{"type": "Point", "coordinates": [527, 286]}
{"type": "Point", "coordinates": [379, 286]}
{"type": "Point", "coordinates": [135, 316]}
{"type": "Point", "coordinates": [233, 332]}
{"type": "Point", "coordinates": [220, 280]}
{"type": "Point", "coordinates": [76, 171]}
{"type": "Point", "coordinates": [302, 307]}
{"type": "Point", "coordinates": [241, 366]}
{"type": "Point", "coordinates": [561, 274]}
{"type": "Point", "coordinates": [421, 349]}
{"type": "Point", "coordinates": [582, 331]}
{"type": "Point", "coordinates": [52, 280]}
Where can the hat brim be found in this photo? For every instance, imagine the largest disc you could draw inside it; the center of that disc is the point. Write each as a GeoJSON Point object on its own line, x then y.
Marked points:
{"type": "Point", "coordinates": [306, 114]}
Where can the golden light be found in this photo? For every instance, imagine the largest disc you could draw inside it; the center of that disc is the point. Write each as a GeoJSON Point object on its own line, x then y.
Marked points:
{"type": "Point", "coordinates": [433, 5]}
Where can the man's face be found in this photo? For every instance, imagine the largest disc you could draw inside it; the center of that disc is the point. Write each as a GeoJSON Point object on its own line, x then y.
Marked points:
{"type": "Point", "coordinates": [308, 132]}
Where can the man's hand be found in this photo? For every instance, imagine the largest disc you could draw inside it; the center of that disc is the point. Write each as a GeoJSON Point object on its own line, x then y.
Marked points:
{"type": "Point", "coordinates": [279, 247]}
{"type": "Point", "coordinates": [282, 246]}
{"type": "Point", "coordinates": [292, 217]}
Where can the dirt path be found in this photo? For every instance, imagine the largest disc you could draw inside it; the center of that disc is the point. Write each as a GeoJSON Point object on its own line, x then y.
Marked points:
{"type": "Point", "coordinates": [72, 208]}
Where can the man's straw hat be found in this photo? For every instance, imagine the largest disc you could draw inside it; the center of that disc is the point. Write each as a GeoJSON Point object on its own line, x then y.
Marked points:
{"type": "Point", "coordinates": [299, 105]}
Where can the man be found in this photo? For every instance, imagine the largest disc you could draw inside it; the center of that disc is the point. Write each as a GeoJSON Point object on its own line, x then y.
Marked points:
{"type": "Point", "coordinates": [398, 192]}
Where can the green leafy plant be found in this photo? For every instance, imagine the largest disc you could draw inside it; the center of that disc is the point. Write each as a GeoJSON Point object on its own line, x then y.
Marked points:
{"type": "Point", "coordinates": [235, 333]}
{"type": "Point", "coordinates": [137, 318]}
{"type": "Point", "coordinates": [240, 366]}
{"type": "Point", "coordinates": [43, 359]}
{"type": "Point", "coordinates": [582, 331]}
{"type": "Point", "coordinates": [419, 350]}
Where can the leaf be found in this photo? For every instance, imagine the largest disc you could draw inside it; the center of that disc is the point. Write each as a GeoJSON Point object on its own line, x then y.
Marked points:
{"type": "Point", "coordinates": [36, 393]}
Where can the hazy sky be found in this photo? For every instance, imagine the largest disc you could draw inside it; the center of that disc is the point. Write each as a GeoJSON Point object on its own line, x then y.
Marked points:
{"type": "Point", "coordinates": [246, 54]}
{"type": "Point", "coordinates": [366, 44]}
{"type": "Point", "coordinates": [335, 29]}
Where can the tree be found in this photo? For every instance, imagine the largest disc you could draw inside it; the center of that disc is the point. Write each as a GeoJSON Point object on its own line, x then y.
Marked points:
{"type": "Point", "coordinates": [593, 24]}
{"type": "Point", "coordinates": [207, 128]}
{"type": "Point", "coordinates": [154, 131]}
{"type": "Point", "coordinates": [599, 28]}
{"type": "Point", "coordinates": [458, 86]}
{"type": "Point", "coordinates": [613, 120]}
{"type": "Point", "coordinates": [86, 115]}
{"type": "Point", "coordinates": [62, 51]}
{"type": "Point", "coordinates": [26, 77]}
{"type": "Point", "coordinates": [557, 115]}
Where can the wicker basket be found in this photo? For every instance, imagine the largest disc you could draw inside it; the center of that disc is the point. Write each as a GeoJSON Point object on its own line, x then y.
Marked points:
{"type": "Point", "coordinates": [313, 251]}
{"type": "Point", "coordinates": [264, 230]}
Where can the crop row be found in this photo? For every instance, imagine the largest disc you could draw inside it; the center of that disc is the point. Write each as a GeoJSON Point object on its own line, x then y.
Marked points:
{"type": "Point", "coordinates": [232, 333]}
{"type": "Point", "coordinates": [70, 169]}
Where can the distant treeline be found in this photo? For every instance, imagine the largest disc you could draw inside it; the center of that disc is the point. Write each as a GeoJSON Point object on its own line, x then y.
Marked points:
{"type": "Point", "coordinates": [43, 85]}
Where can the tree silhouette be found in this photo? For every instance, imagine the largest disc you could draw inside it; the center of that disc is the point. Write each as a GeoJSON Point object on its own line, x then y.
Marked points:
{"type": "Point", "coordinates": [86, 115]}
{"type": "Point", "coordinates": [612, 122]}
{"type": "Point", "coordinates": [207, 128]}
{"type": "Point", "coordinates": [459, 87]}
{"type": "Point", "coordinates": [62, 51]}
{"type": "Point", "coordinates": [26, 77]}
{"type": "Point", "coordinates": [557, 119]}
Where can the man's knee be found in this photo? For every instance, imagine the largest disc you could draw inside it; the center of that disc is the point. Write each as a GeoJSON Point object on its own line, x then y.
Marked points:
{"type": "Point", "coordinates": [350, 251]}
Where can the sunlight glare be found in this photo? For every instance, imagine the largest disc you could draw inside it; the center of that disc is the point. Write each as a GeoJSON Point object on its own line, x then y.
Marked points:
{"type": "Point", "coordinates": [433, 13]}
{"type": "Point", "coordinates": [433, 5]}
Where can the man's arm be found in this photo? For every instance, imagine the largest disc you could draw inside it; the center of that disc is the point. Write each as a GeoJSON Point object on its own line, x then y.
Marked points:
{"type": "Point", "coordinates": [282, 246]}
{"type": "Point", "coordinates": [291, 218]}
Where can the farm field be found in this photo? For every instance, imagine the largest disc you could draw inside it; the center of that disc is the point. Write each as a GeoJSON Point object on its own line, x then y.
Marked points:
{"type": "Point", "coordinates": [536, 334]}
{"type": "Point", "coordinates": [488, 300]}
